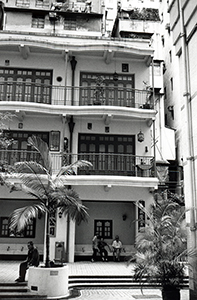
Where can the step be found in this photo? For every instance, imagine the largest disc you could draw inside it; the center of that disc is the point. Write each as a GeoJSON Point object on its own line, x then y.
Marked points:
{"type": "Point", "coordinates": [125, 281]}
{"type": "Point", "coordinates": [21, 296]}
{"type": "Point", "coordinates": [18, 291]}
{"type": "Point", "coordinates": [13, 289]}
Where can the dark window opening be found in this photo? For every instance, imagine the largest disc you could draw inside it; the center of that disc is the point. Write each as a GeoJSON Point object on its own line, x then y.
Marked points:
{"type": "Point", "coordinates": [28, 232]}
{"type": "Point", "coordinates": [37, 21]}
{"type": "Point", "coordinates": [103, 228]}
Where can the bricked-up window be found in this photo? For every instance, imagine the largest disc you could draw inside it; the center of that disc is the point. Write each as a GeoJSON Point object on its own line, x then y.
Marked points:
{"type": "Point", "coordinates": [37, 21]}
{"type": "Point", "coordinates": [103, 228]}
{"type": "Point", "coordinates": [28, 232]}
{"type": "Point", "coordinates": [23, 3]}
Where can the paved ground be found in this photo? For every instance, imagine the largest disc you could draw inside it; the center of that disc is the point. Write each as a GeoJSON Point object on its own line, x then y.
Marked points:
{"type": "Point", "coordinates": [9, 272]}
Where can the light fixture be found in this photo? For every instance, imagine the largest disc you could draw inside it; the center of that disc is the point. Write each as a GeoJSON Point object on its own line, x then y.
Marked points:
{"type": "Point", "coordinates": [124, 217]}
{"type": "Point", "coordinates": [140, 137]}
{"type": "Point", "coordinates": [115, 76]}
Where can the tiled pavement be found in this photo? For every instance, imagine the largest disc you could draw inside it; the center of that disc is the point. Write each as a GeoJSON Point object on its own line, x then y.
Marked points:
{"type": "Point", "coordinates": [9, 272]}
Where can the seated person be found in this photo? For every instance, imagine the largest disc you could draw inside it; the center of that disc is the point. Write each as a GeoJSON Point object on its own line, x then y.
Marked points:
{"type": "Point", "coordinates": [32, 260]}
{"type": "Point", "coordinates": [117, 247]}
{"type": "Point", "coordinates": [101, 246]}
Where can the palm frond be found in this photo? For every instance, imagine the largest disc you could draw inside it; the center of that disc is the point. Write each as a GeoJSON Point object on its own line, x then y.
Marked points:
{"type": "Point", "coordinates": [22, 216]}
{"type": "Point", "coordinates": [77, 212]}
{"type": "Point", "coordinates": [70, 169]}
{"type": "Point", "coordinates": [42, 147]}
{"type": "Point", "coordinates": [30, 167]}
{"type": "Point", "coordinates": [37, 181]}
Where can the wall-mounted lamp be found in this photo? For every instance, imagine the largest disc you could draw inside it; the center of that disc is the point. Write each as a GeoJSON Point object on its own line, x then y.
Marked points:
{"type": "Point", "coordinates": [140, 137]}
{"type": "Point", "coordinates": [124, 217]}
{"type": "Point", "coordinates": [146, 149]}
{"type": "Point", "coordinates": [20, 125]}
{"type": "Point", "coordinates": [115, 76]}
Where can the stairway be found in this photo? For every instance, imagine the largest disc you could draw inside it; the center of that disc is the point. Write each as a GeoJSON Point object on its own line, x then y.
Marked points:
{"type": "Point", "coordinates": [111, 281]}
{"type": "Point", "coordinates": [17, 291]}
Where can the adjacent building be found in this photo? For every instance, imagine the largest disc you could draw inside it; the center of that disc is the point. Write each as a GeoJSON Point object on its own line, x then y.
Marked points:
{"type": "Point", "coordinates": [179, 45]}
{"type": "Point", "coordinates": [87, 79]}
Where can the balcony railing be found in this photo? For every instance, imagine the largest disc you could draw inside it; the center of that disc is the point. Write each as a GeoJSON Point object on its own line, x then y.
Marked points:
{"type": "Point", "coordinates": [75, 96]}
{"type": "Point", "coordinates": [103, 163]}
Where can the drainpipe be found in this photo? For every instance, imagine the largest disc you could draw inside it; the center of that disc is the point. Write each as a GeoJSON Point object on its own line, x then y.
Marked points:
{"type": "Point", "coordinates": [154, 143]}
{"type": "Point", "coordinates": [73, 63]}
{"type": "Point", "coordinates": [71, 126]}
{"type": "Point", "coordinates": [66, 74]}
{"type": "Point", "coordinates": [190, 158]}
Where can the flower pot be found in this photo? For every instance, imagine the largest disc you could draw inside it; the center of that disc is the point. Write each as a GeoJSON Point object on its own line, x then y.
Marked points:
{"type": "Point", "coordinates": [52, 282]}
{"type": "Point", "coordinates": [171, 294]}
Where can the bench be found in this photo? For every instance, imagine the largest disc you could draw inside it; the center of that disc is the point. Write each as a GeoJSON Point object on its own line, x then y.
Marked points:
{"type": "Point", "coordinates": [18, 249]}
{"type": "Point", "coordinates": [86, 250]}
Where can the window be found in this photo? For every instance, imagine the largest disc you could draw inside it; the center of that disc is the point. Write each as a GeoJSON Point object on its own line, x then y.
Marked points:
{"type": "Point", "coordinates": [103, 228]}
{"type": "Point", "coordinates": [29, 85]}
{"type": "Point", "coordinates": [70, 24]}
{"type": "Point", "coordinates": [109, 154]}
{"type": "Point", "coordinates": [42, 3]}
{"type": "Point", "coordinates": [28, 232]}
{"type": "Point", "coordinates": [114, 92]}
{"type": "Point", "coordinates": [20, 150]}
{"type": "Point", "coordinates": [23, 3]}
{"type": "Point", "coordinates": [54, 141]}
{"type": "Point", "coordinates": [37, 21]}
{"type": "Point", "coordinates": [4, 229]}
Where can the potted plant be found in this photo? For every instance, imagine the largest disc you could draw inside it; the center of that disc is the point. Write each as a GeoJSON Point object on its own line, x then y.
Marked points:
{"type": "Point", "coordinates": [161, 247]}
{"type": "Point", "coordinates": [99, 90]}
{"type": "Point", "coordinates": [52, 193]}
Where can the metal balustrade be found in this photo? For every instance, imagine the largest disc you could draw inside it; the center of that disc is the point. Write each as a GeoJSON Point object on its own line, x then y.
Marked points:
{"type": "Point", "coordinates": [103, 163]}
{"type": "Point", "coordinates": [75, 96]}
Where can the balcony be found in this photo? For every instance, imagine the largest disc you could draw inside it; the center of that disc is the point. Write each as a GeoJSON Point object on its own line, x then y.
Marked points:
{"type": "Point", "coordinates": [75, 96]}
{"type": "Point", "coordinates": [103, 163]}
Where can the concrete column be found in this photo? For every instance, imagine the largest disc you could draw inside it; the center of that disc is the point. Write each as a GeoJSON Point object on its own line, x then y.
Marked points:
{"type": "Point", "coordinates": [71, 241]}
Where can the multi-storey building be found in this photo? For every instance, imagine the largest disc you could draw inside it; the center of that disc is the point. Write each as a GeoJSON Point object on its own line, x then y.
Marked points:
{"type": "Point", "coordinates": [90, 94]}
{"type": "Point", "coordinates": [180, 40]}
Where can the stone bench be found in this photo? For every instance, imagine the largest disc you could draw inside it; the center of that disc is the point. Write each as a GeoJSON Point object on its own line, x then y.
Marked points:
{"type": "Point", "coordinates": [18, 249]}
{"type": "Point", "coordinates": [86, 250]}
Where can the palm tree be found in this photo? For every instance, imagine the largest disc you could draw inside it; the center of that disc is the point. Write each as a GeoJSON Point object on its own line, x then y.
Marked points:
{"type": "Point", "coordinates": [161, 247]}
{"type": "Point", "coordinates": [38, 181]}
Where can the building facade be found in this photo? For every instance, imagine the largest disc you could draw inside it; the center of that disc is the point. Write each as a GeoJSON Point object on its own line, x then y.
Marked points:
{"type": "Point", "coordinates": [92, 91]}
{"type": "Point", "coordinates": [181, 105]}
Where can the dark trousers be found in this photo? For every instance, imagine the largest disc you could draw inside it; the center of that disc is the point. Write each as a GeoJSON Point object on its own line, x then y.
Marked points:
{"type": "Point", "coordinates": [104, 253]}
{"type": "Point", "coordinates": [94, 255]}
{"type": "Point", "coordinates": [22, 270]}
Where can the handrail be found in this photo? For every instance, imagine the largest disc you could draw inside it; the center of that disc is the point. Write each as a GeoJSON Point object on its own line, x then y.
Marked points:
{"type": "Point", "coordinates": [83, 95]}
{"type": "Point", "coordinates": [103, 163]}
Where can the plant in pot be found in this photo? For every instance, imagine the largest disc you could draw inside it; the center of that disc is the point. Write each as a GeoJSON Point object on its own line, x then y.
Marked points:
{"type": "Point", "coordinates": [50, 190]}
{"type": "Point", "coordinates": [161, 247]}
{"type": "Point", "coordinates": [99, 90]}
